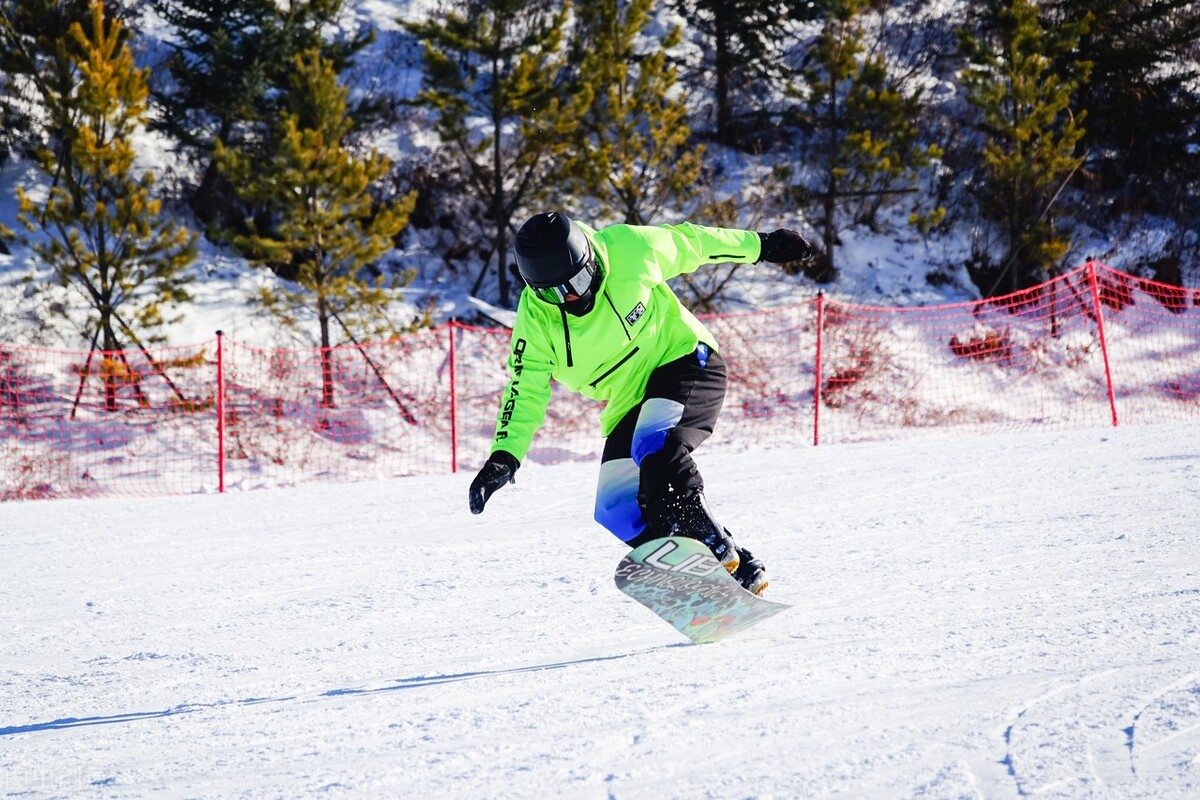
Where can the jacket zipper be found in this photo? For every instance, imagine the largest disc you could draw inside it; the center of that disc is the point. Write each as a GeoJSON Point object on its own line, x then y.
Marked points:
{"type": "Point", "coordinates": [567, 336]}
{"type": "Point", "coordinates": [615, 366]}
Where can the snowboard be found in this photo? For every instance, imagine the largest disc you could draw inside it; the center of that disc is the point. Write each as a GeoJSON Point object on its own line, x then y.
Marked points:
{"type": "Point", "coordinates": [680, 581]}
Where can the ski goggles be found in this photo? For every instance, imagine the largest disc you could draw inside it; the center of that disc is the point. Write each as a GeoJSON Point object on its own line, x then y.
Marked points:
{"type": "Point", "coordinates": [575, 286]}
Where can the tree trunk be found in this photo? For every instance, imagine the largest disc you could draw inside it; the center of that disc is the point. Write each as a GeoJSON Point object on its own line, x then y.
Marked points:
{"type": "Point", "coordinates": [108, 346]}
{"type": "Point", "coordinates": [323, 317]}
{"type": "Point", "coordinates": [829, 204]}
{"type": "Point", "coordinates": [498, 190]}
{"type": "Point", "coordinates": [722, 60]}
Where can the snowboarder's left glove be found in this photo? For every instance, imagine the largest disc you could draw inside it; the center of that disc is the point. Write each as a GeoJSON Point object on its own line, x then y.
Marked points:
{"type": "Point", "coordinates": [782, 246]}
{"type": "Point", "coordinates": [498, 471]}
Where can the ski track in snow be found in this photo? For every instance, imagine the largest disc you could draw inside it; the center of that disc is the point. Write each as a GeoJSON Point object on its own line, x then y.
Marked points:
{"type": "Point", "coordinates": [986, 617]}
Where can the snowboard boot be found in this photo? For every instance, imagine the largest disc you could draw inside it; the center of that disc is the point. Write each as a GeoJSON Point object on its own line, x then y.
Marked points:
{"type": "Point", "coordinates": [688, 515]}
{"type": "Point", "coordinates": [751, 573]}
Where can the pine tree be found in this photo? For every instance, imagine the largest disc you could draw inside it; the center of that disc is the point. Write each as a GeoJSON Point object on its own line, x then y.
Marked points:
{"type": "Point", "coordinates": [326, 224]}
{"type": "Point", "coordinates": [230, 62]}
{"type": "Point", "coordinates": [1142, 101]}
{"type": "Point", "coordinates": [742, 50]}
{"type": "Point", "coordinates": [1021, 81]}
{"type": "Point", "coordinates": [866, 145]}
{"type": "Point", "coordinates": [638, 157]}
{"type": "Point", "coordinates": [104, 234]}
{"type": "Point", "coordinates": [34, 64]}
{"type": "Point", "coordinates": [503, 63]}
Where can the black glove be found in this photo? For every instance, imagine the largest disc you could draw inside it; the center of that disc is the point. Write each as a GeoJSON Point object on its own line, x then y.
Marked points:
{"type": "Point", "coordinates": [498, 471]}
{"type": "Point", "coordinates": [782, 246]}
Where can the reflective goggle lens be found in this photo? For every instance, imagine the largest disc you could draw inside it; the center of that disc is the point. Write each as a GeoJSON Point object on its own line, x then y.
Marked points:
{"type": "Point", "coordinates": [576, 285]}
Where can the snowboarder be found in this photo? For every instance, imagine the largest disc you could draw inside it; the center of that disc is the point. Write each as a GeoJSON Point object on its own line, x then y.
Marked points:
{"type": "Point", "coordinates": [598, 317]}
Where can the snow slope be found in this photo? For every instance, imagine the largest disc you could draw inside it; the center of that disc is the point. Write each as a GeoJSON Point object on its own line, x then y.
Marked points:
{"type": "Point", "coordinates": [997, 617]}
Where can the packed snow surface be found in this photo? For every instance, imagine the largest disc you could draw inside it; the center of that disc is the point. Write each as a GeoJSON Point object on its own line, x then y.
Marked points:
{"type": "Point", "coordinates": [990, 616]}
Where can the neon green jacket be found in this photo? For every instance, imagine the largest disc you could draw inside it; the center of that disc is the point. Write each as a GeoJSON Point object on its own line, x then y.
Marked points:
{"type": "Point", "coordinates": [636, 325]}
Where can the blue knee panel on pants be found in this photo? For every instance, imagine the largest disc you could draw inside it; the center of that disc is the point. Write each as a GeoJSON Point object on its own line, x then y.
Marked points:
{"type": "Point", "coordinates": [655, 420]}
{"type": "Point", "coordinates": [617, 493]}
{"type": "Point", "coordinates": [616, 499]}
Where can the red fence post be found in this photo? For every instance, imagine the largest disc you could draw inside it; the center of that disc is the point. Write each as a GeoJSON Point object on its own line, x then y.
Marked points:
{"type": "Point", "coordinates": [1112, 397]}
{"type": "Point", "coordinates": [220, 414]}
{"type": "Point", "coordinates": [817, 370]}
{"type": "Point", "coordinates": [453, 400]}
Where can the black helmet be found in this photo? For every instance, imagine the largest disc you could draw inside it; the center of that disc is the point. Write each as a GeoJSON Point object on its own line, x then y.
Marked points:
{"type": "Point", "coordinates": [556, 261]}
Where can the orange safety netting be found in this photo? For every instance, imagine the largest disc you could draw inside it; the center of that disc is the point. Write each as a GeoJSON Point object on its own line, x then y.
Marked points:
{"type": "Point", "coordinates": [1092, 347]}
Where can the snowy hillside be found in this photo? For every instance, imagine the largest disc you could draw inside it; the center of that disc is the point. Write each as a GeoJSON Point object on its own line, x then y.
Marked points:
{"type": "Point", "coordinates": [885, 266]}
{"type": "Point", "coordinates": [985, 617]}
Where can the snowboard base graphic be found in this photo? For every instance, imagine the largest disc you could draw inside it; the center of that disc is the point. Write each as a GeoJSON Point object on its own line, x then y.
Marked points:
{"type": "Point", "coordinates": [679, 580]}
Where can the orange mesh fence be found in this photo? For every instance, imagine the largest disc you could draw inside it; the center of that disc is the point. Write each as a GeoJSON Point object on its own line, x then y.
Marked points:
{"type": "Point", "coordinates": [347, 413]}
{"type": "Point", "coordinates": [1092, 347]}
{"type": "Point", "coordinates": [771, 357]}
{"type": "Point", "coordinates": [77, 424]}
{"type": "Point", "coordinates": [1033, 358]}
{"type": "Point", "coordinates": [1153, 343]}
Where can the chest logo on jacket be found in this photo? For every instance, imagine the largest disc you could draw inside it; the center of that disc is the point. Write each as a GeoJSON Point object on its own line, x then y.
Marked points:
{"type": "Point", "coordinates": [636, 314]}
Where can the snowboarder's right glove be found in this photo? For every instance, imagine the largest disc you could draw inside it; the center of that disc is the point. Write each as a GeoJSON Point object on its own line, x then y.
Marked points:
{"type": "Point", "coordinates": [782, 246]}
{"type": "Point", "coordinates": [498, 471]}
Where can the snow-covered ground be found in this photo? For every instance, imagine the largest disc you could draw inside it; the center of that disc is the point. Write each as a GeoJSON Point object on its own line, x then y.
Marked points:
{"type": "Point", "coordinates": [994, 616]}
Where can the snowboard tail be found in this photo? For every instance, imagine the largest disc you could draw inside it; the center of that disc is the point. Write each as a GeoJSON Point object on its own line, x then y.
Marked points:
{"type": "Point", "coordinates": [680, 581]}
